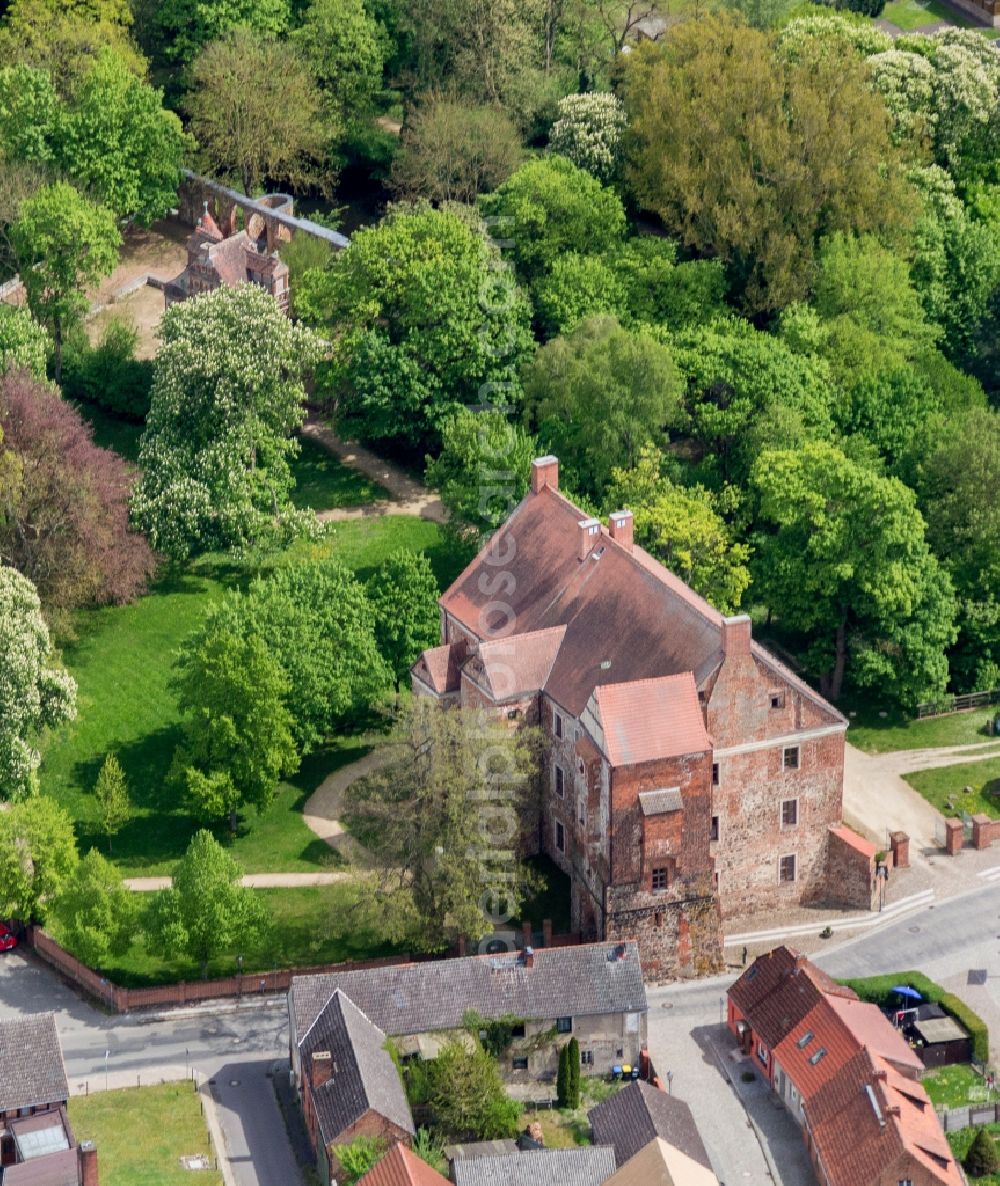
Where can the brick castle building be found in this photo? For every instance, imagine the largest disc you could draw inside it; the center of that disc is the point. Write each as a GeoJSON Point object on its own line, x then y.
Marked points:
{"type": "Point", "coordinates": [690, 777]}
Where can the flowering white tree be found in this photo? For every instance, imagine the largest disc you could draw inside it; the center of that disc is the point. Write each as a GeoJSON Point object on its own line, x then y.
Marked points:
{"type": "Point", "coordinates": [588, 130]}
{"type": "Point", "coordinates": [228, 395]}
{"type": "Point", "coordinates": [34, 693]}
{"type": "Point", "coordinates": [23, 342]}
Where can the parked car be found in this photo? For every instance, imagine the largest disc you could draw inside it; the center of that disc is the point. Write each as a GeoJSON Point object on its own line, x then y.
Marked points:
{"type": "Point", "coordinates": [8, 940]}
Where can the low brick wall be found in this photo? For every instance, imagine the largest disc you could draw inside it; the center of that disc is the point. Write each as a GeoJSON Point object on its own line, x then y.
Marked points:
{"type": "Point", "coordinates": [850, 869]}
{"type": "Point", "coordinates": [985, 831]}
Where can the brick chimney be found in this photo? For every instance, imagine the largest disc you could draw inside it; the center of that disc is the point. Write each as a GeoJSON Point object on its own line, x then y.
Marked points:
{"type": "Point", "coordinates": [621, 524]}
{"type": "Point", "coordinates": [589, 533]}
{"type": "Point", "coordinates": [736, 636]}
{"type": "Point", "coordinates": [320, 1068]}
{"type": "Point", "coordinates": [544, 472]}
{"type": "Point", "coordinates": [87, 1152]}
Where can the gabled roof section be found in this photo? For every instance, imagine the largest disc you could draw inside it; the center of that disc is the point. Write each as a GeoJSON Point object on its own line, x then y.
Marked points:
{"type": "Point", "coordinates": [640, 1113]}
{"type": "Point", "coordinates": [31, 1063]}
{"type": "Point", "coordinates": [650, 719]}
{"type": "Point", "coordinates": [588, 1165]}
{"type": "Point", "coordinates": [516, 665]}
{"type": "Point", "coordinates": [661, 1164]}
{"type": "Point", "coordinates": [439, 668]}
{"type": "Point", "coordinates": [401, 1167]}
{"type": "Point", "coordinates": [402, 999]}
{"type": "Point", "coordinates": [363, 1078]}
{"type": "Point", "coordinates": [869, 1027]}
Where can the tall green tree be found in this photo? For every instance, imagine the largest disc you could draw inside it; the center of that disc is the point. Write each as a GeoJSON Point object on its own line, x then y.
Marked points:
{"type": "Point", "coordinates": [467, 1096]}
{"type": "Point", "coordinates": [442, 817]}
{"type": "Point", "coordinates": [598, 396]}
{"type": "Point", "coordinates": [573, 1067]}
{"type": "Point", "coordinates": [425, 317]}
{"type": "Point", "coordinates": [228, 394]}
{"type": "Point", "coordinates": [206, 911]}
{"type": "Point", "coordinates": [803, 151]}
{"type": "Point", "coordinates": [257, 113]}
{"type": "Point", "coordinates": [403, 592]}
{"type": "Point", "coordinates": [346, 47]}
{"type": "Point", "coordinates": [35, 692]}
{"type": "Point", "coordinates": [563, 1078]}
{"type": "Point", "coordinates": [238, 738]}
{"type": "Point", "coordinates": [187, 26]}
{"type": "Point", "coordinates": [97, 915]}
{"type": "Point", "coordinates": [37, 855]}
{"type": "Point", "coordinates": [24, 344]}
{"type": "Point", "coordinates": [682, 528]}
{"type": "Point", "coordinates": [63, 243]}
{"type": "Point", "coordinates": [842, 557]}
{"type": "Point", "coordinates": [113, 802]}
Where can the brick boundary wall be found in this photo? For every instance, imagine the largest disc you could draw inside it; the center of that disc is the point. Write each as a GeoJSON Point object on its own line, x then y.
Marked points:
{"type": "Point", "coordinates": [124, 1000]}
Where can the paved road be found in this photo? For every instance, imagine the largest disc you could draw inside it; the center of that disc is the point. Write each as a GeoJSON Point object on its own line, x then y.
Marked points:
{"type": "Point", "coordinates": [232, 1048]}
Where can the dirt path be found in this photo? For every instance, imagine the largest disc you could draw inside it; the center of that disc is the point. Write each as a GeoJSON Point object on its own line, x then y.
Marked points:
{"type": "Point", "coordinates": [324, 807]}
{"type": "Point", "coordinates": [878, 800]}
{"type": "Point", "coordinates": [407, 495]}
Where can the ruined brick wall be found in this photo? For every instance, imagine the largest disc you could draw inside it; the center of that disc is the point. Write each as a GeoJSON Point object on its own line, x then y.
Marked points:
{"type": "Point", "coordinates": [753, 833]}
{"type": "Point", "coordinates": [851, 872]}
{"type": "Point", "coordinates": [676, 938]}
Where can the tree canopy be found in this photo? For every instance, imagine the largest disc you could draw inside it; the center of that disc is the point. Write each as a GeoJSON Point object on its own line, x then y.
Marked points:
{"type": "Point", "coordinates": [37, 856]}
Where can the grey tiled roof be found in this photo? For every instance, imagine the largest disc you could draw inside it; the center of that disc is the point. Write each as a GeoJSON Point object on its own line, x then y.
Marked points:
{"type": "Point", "coordinates": [661, 801]}
{"type": "Point", "coordinates": [57, 1169]}
{"type": "Point", "coordinates": [414, 998]}
{"type": "Point", "coordinates": [364, 1076]}
{"type": "Point", "coordinates": [31, 1063]}
{"type": "Point", "coordinates": [639, 1113]}
{"type": "Point", "coordinates": [586, 1166]}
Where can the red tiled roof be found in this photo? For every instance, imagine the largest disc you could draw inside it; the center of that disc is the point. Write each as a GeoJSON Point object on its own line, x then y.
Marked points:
{"type": "Point", "coordinates": [870, 1028]}
{"type": "Point", "coordinates": [518, 664]}
{"type": "Point", "coordinates": [401, 1167]}
{"type": "Point", "coordinates": [651, 718]}
{"type": "Point", "coordinates": [815, 1049]}
{"type": "Point", "coordinates": [863, 846]}
{"type": "Point", "coordinates": [438, 667]}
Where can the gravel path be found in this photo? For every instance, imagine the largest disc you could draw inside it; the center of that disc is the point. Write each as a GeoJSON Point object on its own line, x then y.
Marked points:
{"type": "Point", "coordinates": [146, 885]}
{"type": "Point", "coordinates": [325, 805]}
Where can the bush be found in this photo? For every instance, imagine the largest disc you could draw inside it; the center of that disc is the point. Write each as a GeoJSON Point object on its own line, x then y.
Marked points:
{"type": "Point", "coordinates": [109, 374]}
{"type": "Point", "coordinates": [982, 1158]}
{"type": "Point", "coordinates": [878, 991]}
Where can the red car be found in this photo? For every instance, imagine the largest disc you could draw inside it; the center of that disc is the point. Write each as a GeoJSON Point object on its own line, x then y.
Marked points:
{"type": "Point", "coordinates": [8, 940]}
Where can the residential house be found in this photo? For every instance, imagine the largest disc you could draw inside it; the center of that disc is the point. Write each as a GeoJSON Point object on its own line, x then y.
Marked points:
{"type": "Point", "coordinates": [401, 1167]}
{"type": "Point", "coordinates": [37, 1146]}
{"type": "Point", "coordinates": [640, 1114]}
{"type": "Point", "coordinates": [845, 1074]}
{"type": "Point", "coordinates": [690, 777]}
{"type": "Point", "coordinates": [350, 1087]}
{"type": "Point", "coordinates": [593, 992]}
{"type": "Point", "coordinates": [661, 1164]}
{"type": "Point", "coordinates": [589, 1165]}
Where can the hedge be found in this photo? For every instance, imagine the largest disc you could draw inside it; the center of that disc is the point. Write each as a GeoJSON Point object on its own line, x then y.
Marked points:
{"type": "Point", "coordinates": [878, 990]}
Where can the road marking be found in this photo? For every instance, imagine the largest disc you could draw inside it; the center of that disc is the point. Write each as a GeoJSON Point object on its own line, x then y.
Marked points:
{"type": "Point", "coordinates": [990, 874]}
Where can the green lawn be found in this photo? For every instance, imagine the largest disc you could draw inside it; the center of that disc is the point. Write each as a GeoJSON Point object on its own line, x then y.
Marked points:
{"type": "Point", "coordinates": [322, 482]}
{"type": "Point", "coordinates": [142, 1133]}
{"type": "Point", "coordinates": [944, 787]}
{"type": "Point", "coordinates": [121, 659]}
{"type": "Point", "coordinates": [950, 1086]}
{"type": "Point", "coordinates": [876, 735]}
{"type": "Point", "coordinates": [562, 1128]}
{"type": "Point", "coordinates": [912, 14]}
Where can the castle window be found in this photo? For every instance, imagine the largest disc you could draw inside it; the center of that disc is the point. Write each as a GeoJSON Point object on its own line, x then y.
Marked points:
{"type": "Point", "coordinates": [786, 869]}
{"type": "Point", "coordinates": [661, 879]}
{"type": "Point", "coordinates": [715, 774]}
{"type": "Point", "coordinates": [519, 1064]}
{"type": "Point", "coordinates": [790, 757]}
{"type": "Point", "coordinates": [560, 782]}
{"type": "Point", "coordinates": [557, 724]}
{"type": "Point", "coordinates": [564, 1025]}
{"type": "Point", "coordinates": [587, 1058]}
{"type": "Point", "coordinates": [713, 831]}
{"type": "Point", "coordinates": [777, 699]}
{"type": "Point", "coordinates": [658, 918]}
{"type": "Point", "coordinates": [560, 837]}
{"type": "Point", "coordinates": [789, 813]}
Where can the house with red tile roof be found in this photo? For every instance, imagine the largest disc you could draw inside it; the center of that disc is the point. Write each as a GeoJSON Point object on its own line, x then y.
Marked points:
{"type": "Point", "coordinates": [402, 1167]}
{"type": "Point", "coordinates": [690, 777]}
{"type": "Point", "coordinates": [845, 1074]}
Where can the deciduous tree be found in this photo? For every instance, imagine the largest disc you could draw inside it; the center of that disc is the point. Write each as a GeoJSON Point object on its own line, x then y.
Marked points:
{"type": "Point", "coordinates": [64, 520]}
{"type": "Point", "coordinates": [442, 817]}
{"type": "Point", "coordinates": [403, 593]}
{"type": "Point", "coordinates": [63, 242]}
{"type": "Point", "coordinates": [113, 802]}
{"type": "Point", "coordinates": [188, 26]}
{"type": "Point", "coordinates": [346, 47]}
{"type": "Point", "coordinates": [467, 1096]}
{"type": "Point", "coordinates": [97, 916]}
{"type": "Point", "coordinates": [35, 692]}
{"type": "Point", "coordinates": [589, 131]}
{"type": "Point", "coordinates": [37, 855]}
{"type": "Point", "coordinates": [206, 911]}
{"type": "Point", "coordinates": [228, 393]}
{"type": "Point", "coordinates": [599, 395]}
{"type": "Point", "coordinates": [24, 344]}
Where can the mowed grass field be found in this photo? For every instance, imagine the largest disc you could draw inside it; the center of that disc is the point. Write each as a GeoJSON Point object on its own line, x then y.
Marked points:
{"type": "Point", "coordinates": [877, 735]}
{"type": "Point", "coordinates": [142, 1133]}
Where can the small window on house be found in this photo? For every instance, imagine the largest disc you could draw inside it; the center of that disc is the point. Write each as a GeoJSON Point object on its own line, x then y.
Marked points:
{"type": "Point", "coordinates": [777, 699]}
{"type": "Point", "coordinates": [789, 813]}
{"type": "Point", "coordinates": [658, 918]}
{"type": "Point", "coordinates": [587, 1058]}
{"type": "Point", "coordinates": [814, 1058]}
{"type": "Point", "coordinates": [517, 1031]}
{"type": "Point", "coordinates": [557, 724]}
{"type": "Point", "coordinates": [701, 695]}
{"type": "Point", "coordinates": [560, 782]}
{"type": "Point", "coordinates": [786, 869]}
{"type": "Point", "coordinates": [713, 831]}
{"type": "Point", "coordinates": [519, 1064]}
{"type": "Point", "coordinates": [513, 714]}
{"type": "Point", "coordinates": [762, 1054]}
{"type": "Point", "coordinates": [804, 1041]}
{"type": "Point", "coordinates": [905, 1182]}
{"type": "Point", "coordinates": [790, 757]}
{"type": "Point", "coordinates": [661, 879]}
{"type": "Point", "coordinates": [564, 1025]}
{"type": "Point", "coordinates": [560, 837]}
{"type": "Point", "coordinates": [715, 774]}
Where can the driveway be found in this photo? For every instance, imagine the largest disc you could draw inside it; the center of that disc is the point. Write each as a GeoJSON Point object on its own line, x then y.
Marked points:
{"type": "Point", "coordinates": [257, 1146]}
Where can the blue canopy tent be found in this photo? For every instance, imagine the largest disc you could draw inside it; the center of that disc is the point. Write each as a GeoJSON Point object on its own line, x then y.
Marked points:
{"type": "Point", "coordinates": [904, 990]}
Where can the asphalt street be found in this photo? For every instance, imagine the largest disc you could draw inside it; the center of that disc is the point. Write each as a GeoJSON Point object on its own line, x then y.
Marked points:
{"type": "Point", "coordinates": [749, 1138]}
